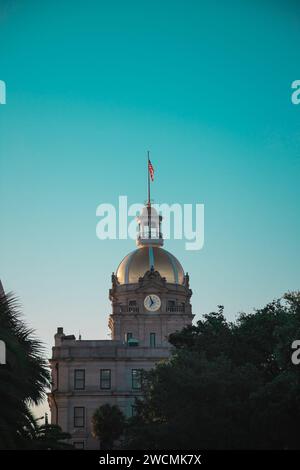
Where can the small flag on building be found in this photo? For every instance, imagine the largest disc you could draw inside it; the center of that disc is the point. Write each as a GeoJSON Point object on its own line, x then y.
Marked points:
{"type": "Point", "coordinates": [151, 170]}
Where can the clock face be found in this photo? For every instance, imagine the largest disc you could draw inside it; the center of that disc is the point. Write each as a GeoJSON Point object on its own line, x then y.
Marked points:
{"type": "Point", "coordinates": [152, 302]}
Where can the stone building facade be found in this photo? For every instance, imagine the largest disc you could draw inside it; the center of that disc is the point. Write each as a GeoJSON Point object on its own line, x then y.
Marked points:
{"type": "Point", "coordinates": [150, 298]}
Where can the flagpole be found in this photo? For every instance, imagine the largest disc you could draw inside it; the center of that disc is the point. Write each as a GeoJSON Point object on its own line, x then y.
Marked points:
{"type": "Point", "coordinates": [149, 201]}
{"type": "Point", "coordinates": [148, 178]}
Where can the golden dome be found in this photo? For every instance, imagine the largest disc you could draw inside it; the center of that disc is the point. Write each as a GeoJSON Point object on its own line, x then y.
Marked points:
{"type": "Point", "coordinates": [135, 265]}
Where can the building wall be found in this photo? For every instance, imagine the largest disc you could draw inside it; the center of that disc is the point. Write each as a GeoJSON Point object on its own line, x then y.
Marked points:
{"type": "Point", "coordinates": [115, 354]}
{"type": "Point", "coordinates": [70, 355]}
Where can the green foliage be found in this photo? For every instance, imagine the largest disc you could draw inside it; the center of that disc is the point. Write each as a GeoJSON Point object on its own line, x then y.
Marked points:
{"type": "Point", "coordinates": [50, 437]}
{"type": "Point", "coordinates": [108, 425]}
{"type": "Point", "coordinates": [226, 385]}
{"type": "Point", "coordinates": [23, 379]}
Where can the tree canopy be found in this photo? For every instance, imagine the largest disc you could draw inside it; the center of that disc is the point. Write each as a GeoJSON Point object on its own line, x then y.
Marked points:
{"type": "Point", "coordinates": [23, 379]}
{"type": "Point", "coordinates": [227, 385]}
{"type": "Point", "coordinates": [108, 424]}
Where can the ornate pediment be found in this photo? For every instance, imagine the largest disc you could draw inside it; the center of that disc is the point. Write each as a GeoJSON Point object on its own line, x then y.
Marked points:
{"type": "Point", "coordinates": [152, 279]}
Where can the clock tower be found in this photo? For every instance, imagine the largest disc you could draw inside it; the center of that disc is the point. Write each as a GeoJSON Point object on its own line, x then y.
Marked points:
{"type": "Point", "coordinates": [150, 292]}
{"type": "Point", "coordinates": [150, 297]}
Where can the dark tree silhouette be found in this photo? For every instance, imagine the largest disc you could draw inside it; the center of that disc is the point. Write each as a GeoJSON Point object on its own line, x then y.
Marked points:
{"type": "Point", "coordinates": [50, 437]}
{"type": "Point", "coordinates": [23, 379]}
{"type": "Point", "coordinates": [226, 385]}
{"type": "Point", "coordinates": [108, 425]}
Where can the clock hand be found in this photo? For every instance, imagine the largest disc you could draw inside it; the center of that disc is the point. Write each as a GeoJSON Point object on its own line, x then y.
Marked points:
{"type": "Point", "coordinates": [151, 300]}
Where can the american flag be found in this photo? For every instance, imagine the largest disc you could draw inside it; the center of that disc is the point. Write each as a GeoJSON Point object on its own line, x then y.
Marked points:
{"type": "Point", "coordinates": [151, 170]}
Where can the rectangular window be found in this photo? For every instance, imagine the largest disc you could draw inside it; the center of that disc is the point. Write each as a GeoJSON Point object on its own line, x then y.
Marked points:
{"type": "Point", "coordinates": [171, 304]}
{"type": "Point", "coordinates": [128, 337]}
{"type": "Point", "coordinates": [132, 307]}
{"type": "Point", "coordinates": [152, 340]}
{"type": "Point", "coordinates": [136, 379]}
{"type": "Point", "coordinates": [79, 416]}
{"type": "Point", "coordinates": [78, 445]}
{"type": "Point", "coordinates": [79, 379]}
{"type": "Point", "coordinates": [105, 379]}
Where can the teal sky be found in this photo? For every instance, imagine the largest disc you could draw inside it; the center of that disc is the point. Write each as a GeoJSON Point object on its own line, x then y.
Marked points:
{"type": "Point", "coordinates": [91, 86]}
